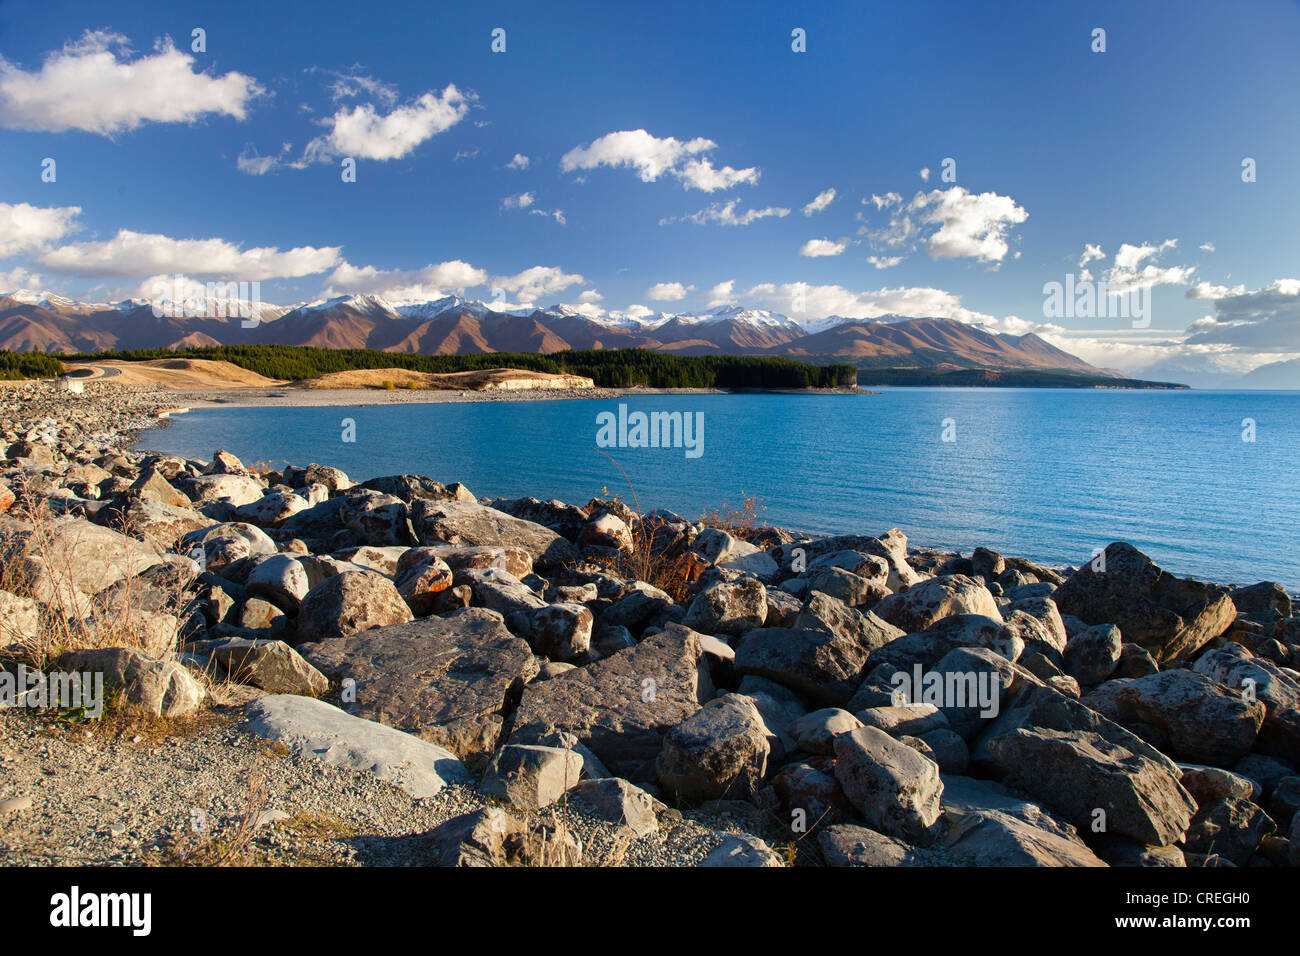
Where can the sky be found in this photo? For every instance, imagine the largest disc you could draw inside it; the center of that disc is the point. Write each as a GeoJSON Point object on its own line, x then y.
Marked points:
{"type": "Point", "coordinates": [892, 159]}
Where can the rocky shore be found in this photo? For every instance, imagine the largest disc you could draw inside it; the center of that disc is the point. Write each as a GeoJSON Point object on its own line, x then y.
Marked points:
{"type": "Point", "coordinates": [416, 675]}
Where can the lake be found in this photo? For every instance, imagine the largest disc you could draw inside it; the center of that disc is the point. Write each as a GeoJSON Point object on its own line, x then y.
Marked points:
{"type": "Point", "coordinates": [1205, 482]}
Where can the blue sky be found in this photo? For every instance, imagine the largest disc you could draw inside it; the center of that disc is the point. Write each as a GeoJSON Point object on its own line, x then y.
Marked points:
{"type": "Point", "coordinates": [650, 134]}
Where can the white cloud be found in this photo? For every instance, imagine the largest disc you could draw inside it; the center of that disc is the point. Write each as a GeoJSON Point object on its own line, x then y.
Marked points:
{"type": "Point", "coordinates": [590, 296]}
{"type": "Point", "coordinates": [814, 248]}
{"type": "Point", "coordinates": [653, 157]}
{"type": "Point", "coordinates": [1126, 276]}
{"type": "Point", "coordinates": [1207, 247]}
{"type": "Point", "coordinates": [1129, 256]}
{"type": "Point", "coordinates": [822, 200]}
{"type": "Point", "coordinates": [721, 294]}
{"type": "Point", "coordinates": [130, 254]}
{"type": "Point", "coordinates": [556, 214]}
{"type": "Point", "coordinates": [884, 262]}
{"type": "Point", "coordinates": [666, 292]}
{"type": "Point", "coordinates": [536, 282]}
{"type": "Point", "coordinates": [465, 154]}
{"type": "Point", "coordinates": [924, 174]}
{"type": "Point", "coordinates": [353, 85]}
{"type": "Point", "coordinates": [970, 225]}
{"type": "Point", "coordinates": [522, 201]}
{"type": "Point", "coordinates": [93, 85]}
{"type": "Point", "coordinates": [953, 223]}
{"type": "Point", "coordinates": [411, 285]}
{"type": "Point", "coordinates": [363, 132]}
{"type": "Point", "coordinates": [19, 279]}
{"type": "Point", "coordinates": [1090, 252]}
{"type": "Point", "coordinates": [520, 162]}
{"type": "Point", "coordinates": [725, 214]}
{"type": "Point", "coordinates": [24, 227]}
{"type": "Point", "coordinates": [826, 300]}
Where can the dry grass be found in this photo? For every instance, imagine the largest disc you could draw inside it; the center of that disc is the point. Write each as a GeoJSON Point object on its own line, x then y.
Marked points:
{"type": "Point", "coordinates": [740, 523]}
{"type": "Point", "coordinates": [229, 845]}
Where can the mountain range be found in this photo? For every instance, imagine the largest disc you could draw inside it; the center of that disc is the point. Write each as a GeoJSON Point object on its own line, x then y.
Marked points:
{"type": "Point", "coordinates": [42, 321]}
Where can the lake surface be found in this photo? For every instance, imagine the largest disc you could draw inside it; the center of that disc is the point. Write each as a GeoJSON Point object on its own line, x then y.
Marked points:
{"type": "Point", "coordinates": [1045, 474]}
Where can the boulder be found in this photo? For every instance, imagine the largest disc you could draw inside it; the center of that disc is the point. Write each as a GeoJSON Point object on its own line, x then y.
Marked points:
{"type": "Point", "coordinates": [1170, 617]}
{"type": "Point", "coordinates": [348, 603]}
{"type": "Point", "coordinates": [896, 790]}
{"type": "Point", "coordinates": [531, 777]}
{"type": "Point", "coordinates": [447, 679]}
{"type": "Point", "coordinates": [623, 706]}
{"type": "Point", "coordinates": [1231, 827]}
{"type": "Point", "coordinates": [844, 844]}
{"type": "Point", "coordinates": [1079, 773]}
{"type": "Point", "coordinates": [273, 666]}
{"type": "Point", "coordinates": [561, 631]}
{"type": "Point", "coordinates": [1275, 688]}
{"type": "Point", "coordinates": [466, 523]}
{"type": "Point", "coordinates": [815, 733]}
{"type": "Point", "coordinates": [719, 751]}
{"type": "Point", "coordinates": [162, 688]}
{"type": "Point", "coordinates": [928, 602]}
{"type": "Point", "coordinates": [619, 801]}
{"type": "Point", "coordinates": [741, 849]}
{"type": "Point", "coordinates": [1092, 655]}
{"type": "Point", "coordinates": [1195, 718]}
{"type": "Point", "coordinates": [420, 584]}
{"type": "Point", "coordinates": [817, 664]}
{"type": "Point", "coordinates": [728, 608]}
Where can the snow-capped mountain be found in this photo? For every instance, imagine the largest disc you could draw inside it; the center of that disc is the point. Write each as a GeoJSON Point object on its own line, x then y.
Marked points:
{"type": "Point", "coordinates": [450, 325]}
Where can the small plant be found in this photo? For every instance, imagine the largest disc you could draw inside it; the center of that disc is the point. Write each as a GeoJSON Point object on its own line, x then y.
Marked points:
{"type": "Point", "coordinates": [388, 385]}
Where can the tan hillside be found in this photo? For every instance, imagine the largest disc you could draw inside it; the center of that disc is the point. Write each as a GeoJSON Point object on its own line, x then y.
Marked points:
{"type": "Point", "coordinates": [502, 379]}
{"type": "Point", "coordinates": [177, 373]}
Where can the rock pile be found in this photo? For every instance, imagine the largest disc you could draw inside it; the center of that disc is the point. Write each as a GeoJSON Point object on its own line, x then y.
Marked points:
{"type": "Point", "coordinates": [897, 706]}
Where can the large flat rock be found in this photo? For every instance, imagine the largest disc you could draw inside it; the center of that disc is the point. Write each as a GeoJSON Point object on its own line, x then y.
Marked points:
{"type": "Point", "coordinates": [446, 679]}
{"type": "Point", "coordinates": [467, 523]}
{"type": "Point", "coordinates": [321, 731]}
{"type": "Point", "coordinates": [622, 706]}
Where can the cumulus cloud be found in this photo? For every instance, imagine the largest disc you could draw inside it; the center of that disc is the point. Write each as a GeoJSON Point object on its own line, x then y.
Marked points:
{"type": "Point", "coordinates": [538, 281]}
{"type": "Point", "coordinates": [520, 162]}
{"type": "Point", "coordinates": [1129, 274]}
{"type": "Point", "coordinates": [652, 157]}
{"type": "Point", "coordinates": [130, 254]}
{"type": "Point", "coordinates": [725, 214]}
{"type": "Point", "coordinates": [952, 223]}
{"type": "Point", "coordinates": [820, 202]}
{"type": "Point", "coordinates": [522, 201]}
{"type": "Point", "coordinates": [366, 133]}
{"type": "Point", "coordinates": [667, 292]}
{"type": "Point", "coordinates": [884, 262]}
{"type": "Point", "coordinates": [924, 174]}
{"type": "Point", "coordinates": [414, 285]}
{"type": "Point", "coordinates": [24, 227]}
{"type": "Point", "coordinates": [814, 248]}
{"type": "Point", "coordinates": [721, 294]}
{"type": "Point", "coordinates": [970, 225]}
{"type": "Point", "coordinates": [19, 279]}
{"type": "Point", "coordinates": [1207, 247]}
{"type": "Point", "coordinates": [92, 84]}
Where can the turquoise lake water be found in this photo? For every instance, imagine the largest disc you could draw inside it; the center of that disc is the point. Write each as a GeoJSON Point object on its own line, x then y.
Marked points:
{"type": "Point", "coordinates": [1040, 473]}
